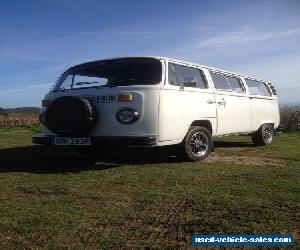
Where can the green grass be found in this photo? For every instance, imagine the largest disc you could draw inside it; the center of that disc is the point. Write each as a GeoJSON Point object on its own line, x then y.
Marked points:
{"type": "Point", "coordinates": [54, 198]}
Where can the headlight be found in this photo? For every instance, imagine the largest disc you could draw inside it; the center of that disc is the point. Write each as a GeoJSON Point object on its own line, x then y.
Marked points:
{"type": "Point", "coordinates": [127, 116]}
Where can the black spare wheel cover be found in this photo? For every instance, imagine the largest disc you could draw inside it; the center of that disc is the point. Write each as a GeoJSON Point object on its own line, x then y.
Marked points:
{"type": "Point", "coordinates": [70, 116]}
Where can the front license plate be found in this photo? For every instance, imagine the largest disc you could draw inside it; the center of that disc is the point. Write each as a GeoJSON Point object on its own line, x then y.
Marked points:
{"type": "Point", "coordinates": [72, 141]}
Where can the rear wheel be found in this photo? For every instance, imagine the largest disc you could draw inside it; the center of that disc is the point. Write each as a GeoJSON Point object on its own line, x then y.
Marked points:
{"type": "Point", "coordinates": [264, 136]}
{"type": "Point", "coordinates": [197, 144]}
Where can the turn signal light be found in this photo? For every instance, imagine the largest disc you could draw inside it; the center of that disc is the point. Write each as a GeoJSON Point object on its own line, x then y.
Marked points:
{"type": "Point", "coordinates": [125, 98]}
{"type": "Point", "coordinates": [45, 103]}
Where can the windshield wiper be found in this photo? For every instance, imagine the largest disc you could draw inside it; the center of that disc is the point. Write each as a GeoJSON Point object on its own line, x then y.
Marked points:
{"type": "Point", "coordinates": [80, 83]}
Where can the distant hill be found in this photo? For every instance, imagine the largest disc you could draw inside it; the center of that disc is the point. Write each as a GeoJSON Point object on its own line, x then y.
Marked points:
{"type": "Point", "coordinates": [22, 110]}
{"type": "Point", "coordinates": [289, 104]}
{"type": "Point", "coordinates": [3, 112]}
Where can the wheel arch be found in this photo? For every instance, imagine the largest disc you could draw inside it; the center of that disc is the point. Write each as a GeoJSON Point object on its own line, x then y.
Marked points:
{"type": "Point", "coordinates": [259, 137]}
{"type": "Point", "coordinates": [189, 145]}
{"type": "Point", "coordinates": [265, 122]}
{"type": "Point", "coordinates": [203, 123]}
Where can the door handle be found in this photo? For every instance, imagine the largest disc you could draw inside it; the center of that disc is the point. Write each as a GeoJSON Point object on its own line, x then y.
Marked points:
{"type": "Point", "coordinates": [222, 102]}
{"type": "Point", "coordinates": [210, 101]}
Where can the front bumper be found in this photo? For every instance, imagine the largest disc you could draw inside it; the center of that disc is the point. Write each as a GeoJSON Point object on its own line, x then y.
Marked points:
{"type": "Point", "coordinates": [104, 140]}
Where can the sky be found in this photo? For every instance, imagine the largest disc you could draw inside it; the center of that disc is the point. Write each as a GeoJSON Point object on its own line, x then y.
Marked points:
{"type": "Point", "coordinates": [39, 39]}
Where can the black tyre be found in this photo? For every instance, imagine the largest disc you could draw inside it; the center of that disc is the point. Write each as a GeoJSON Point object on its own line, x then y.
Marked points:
{"type": "Point", "coordinates": [70, 116]}
{"type": "Point", "coordinates": [197, 144]}
{"type": "Point", "coordinates": [264, 136]}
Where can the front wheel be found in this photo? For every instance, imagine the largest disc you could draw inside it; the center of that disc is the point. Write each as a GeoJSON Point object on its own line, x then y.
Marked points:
{"type": "Point", "coordinates": [197, 144]}
{"type": "Point", "coordinates": [264, 136]}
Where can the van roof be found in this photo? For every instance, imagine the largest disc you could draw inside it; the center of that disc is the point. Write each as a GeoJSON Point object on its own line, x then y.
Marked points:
{"type": "Point", "coordinates": [181, 61]}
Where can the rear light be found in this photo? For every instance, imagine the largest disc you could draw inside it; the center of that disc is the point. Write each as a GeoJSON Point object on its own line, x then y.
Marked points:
{"type": "Point", "coordinates": [45, 103]}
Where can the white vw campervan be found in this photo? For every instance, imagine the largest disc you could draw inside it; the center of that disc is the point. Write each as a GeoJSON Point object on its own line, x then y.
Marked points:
{"type": "Point", "coordinates": [155, 101]}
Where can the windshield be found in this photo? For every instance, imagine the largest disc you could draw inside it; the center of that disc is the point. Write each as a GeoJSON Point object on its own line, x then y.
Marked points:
{"type": "Point", "coordinates": [110, 73]}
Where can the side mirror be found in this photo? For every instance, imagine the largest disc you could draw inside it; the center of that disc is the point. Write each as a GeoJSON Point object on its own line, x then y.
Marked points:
{"type": "Point", "coordinates": [189, 81]}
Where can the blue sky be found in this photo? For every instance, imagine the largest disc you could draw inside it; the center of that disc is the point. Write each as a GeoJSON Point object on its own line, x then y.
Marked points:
{"type": "Point", "coordinates": [38, 39]}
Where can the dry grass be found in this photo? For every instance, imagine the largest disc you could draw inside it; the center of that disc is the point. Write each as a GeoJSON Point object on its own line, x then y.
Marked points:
{"type": "Point", "coordinates": [244, 160]}
{"type": "Point", "coordinates": [19, 120]}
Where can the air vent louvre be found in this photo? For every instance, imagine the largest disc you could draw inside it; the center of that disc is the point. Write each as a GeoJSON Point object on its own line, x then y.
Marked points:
{"type": "Point", "coordinates": [272, 89]}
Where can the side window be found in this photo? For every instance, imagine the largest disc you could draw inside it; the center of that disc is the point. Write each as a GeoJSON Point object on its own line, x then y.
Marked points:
{"type": "Point", "coordinates": [68, 82]}
{"type": "Point", "coordinates": [258, 88]}
{"type": "Point", "coordinates": [235, 84]}
{"type": "Point", "coordinates": [186, 76]}
{"type": "Point", "coordinates": [220, 81]}
{"type": "Point", "coordinates": [229, 83]}
{"type": "Point", "coordinates": [173, 80]}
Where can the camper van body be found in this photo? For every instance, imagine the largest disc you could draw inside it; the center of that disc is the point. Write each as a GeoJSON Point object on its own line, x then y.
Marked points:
{"type": "Point", "coordinates": [161, 110]}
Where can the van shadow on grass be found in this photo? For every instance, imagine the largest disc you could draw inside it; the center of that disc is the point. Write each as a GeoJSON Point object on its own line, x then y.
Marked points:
{"type": "Point", "coordinates": [43, 159]}
{"type": "Point", "coordinates": [47, 159]}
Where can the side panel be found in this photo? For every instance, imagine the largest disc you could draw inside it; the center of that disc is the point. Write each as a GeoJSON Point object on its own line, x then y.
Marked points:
{"type": "Point", "coordinates": [234, 113]}
{"type": "Point", "coordinates": [264, 107]}
{"type": "Point", "coordinates": [264, 110]}
{"type": "Point", "coordinates": [179, 108]}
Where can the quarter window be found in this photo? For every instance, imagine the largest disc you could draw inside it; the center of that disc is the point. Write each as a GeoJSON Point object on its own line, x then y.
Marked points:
{"type": "Point", "coordinates": [229, 83]}
{"type": "Point", "coordinates": [185, 76]}
{"type": "Point", "coordinates": [258, 88]}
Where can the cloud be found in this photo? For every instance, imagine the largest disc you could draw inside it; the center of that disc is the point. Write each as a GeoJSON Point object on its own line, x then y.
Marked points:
{"type": "Point", "coordinates": [270, 54]}
{"type": "Point", "coordinates": [27, 96]}
{"type": "Point", "coordinates": [283, 70]}
{"type": "Point", "coordinates": [242, 36]}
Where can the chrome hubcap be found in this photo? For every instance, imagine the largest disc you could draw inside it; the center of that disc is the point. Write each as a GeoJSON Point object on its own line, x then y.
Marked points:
{"type": "Point", "coordinates": [267, 134]}
{"type": "Point", "coordinates": [199, 143]}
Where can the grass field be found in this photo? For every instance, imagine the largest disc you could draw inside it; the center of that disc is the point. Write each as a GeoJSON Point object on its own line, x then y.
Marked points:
{"type": "Point", "coordinates": [137, 198]}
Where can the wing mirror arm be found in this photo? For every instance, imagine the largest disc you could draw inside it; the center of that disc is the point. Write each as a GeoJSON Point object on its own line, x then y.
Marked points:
{"type": "Point", "coordinates": [190, 84]}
